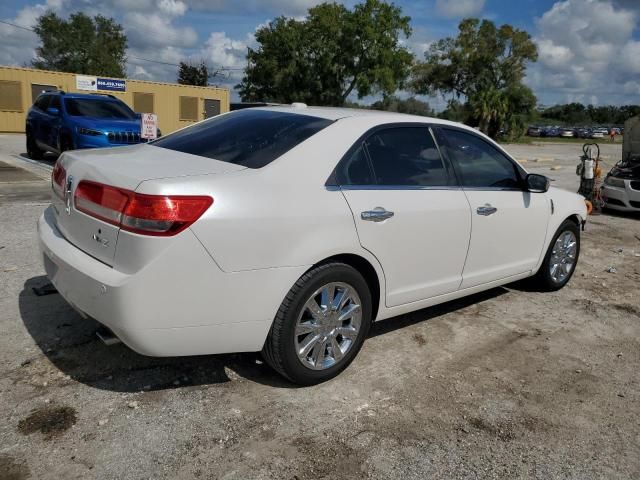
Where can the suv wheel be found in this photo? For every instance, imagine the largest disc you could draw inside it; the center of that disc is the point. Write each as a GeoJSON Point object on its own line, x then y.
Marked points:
{"type": "Point", "coordinates": [33, 151]}
{"type": "Point", "coordinates": [321, 324]}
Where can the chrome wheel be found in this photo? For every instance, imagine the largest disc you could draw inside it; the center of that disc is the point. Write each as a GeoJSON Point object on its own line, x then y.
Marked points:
{"type": "Point", "coordinates": [328, 325]}
{"type": "Point", "coordinates": [563, 256]}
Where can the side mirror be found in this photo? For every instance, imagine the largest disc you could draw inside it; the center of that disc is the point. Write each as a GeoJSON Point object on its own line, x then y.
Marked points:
{"type": "Point", "coordinates": [536, 183]}
{"type": "Point", "coordinates": [53, 111]}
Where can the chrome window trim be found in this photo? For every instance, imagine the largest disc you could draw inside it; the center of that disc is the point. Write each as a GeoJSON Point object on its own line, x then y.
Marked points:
{"type": "Point", "coordinates": [397, 187]}
{"type": "Point", "coordinates": [420, 187]}
{"type": "Point", "coordinates": [494, 189]}
{"type": "Point", "coordinates": [452, 177]}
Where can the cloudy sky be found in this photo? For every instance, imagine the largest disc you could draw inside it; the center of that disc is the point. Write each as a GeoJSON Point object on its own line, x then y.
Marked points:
{"type": "Point", "coordinates": [589, 49]}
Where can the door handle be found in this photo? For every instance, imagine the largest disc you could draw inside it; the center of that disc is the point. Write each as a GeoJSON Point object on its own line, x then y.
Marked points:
{"type": "Point", "coordinates": [378, 214]}
{"type": "Point", "coordinates": [486, 210]}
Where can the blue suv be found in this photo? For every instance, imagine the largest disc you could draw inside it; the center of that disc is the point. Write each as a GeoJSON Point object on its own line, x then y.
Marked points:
{"type": "Point", "coordinates": [60, 121]}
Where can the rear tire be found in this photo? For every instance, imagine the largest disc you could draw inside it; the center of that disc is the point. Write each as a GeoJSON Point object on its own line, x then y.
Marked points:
{"type": "Point", "coordinates": [561, 259]}
{"type": "Point", "coordinates": [340, 330]}
{"type": "Point", "coordinates": [33, 151]}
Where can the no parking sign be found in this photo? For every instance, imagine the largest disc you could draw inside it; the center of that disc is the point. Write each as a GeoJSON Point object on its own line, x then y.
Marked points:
{"type": "Point", "coordinates": [149, 126]}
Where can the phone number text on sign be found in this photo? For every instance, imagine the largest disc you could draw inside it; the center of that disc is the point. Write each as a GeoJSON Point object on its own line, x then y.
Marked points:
{"type": "Point", "coordinates": [112, 85]}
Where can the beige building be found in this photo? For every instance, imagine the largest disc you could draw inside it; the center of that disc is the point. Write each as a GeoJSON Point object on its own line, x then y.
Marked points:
{"type": "Point", "coordinates": [175, 105]}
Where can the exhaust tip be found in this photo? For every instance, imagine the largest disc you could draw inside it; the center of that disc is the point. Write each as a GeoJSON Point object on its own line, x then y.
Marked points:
{"type": "Point", "coordinates": [107, 336]}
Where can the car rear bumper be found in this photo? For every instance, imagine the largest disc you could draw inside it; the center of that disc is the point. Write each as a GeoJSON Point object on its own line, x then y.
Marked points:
{"type": "Point", "coordinates": [179, 304]}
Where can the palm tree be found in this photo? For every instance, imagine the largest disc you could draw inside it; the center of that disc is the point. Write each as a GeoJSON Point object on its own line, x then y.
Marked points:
{"type": "Point", "coordinates": [490, 106]}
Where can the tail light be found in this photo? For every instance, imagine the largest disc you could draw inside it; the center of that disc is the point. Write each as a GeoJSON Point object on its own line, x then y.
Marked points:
{"type": "Point", "coordinates": [58, 176]}
{"type": "Point", "coordinates": [158, 215]}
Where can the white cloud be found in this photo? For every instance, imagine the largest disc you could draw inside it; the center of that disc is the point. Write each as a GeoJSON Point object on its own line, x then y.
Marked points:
{"type": "Point", "coordinates": [18, 45]}
{"type": "Point", "coordinates": [587, 51]}
{"type": "Point", "coordinates": [553, 56]}
{"type": "Point", "coordinates": [419, 41]}
{"type": "Point", "coordinates": [459, 8]}
{"type": "Point", "coordinates": [629, 56]}
{"type": "Point", "coordinates": [631, 88]}
{"type": "Point", "coordinates": [221, 50]}
{"type": "Point", "coordinates": [174, 8]}
{"type": "Point", "coordinates": [156, 30]}
{"type": "Point", "coordinates": [148, 25]}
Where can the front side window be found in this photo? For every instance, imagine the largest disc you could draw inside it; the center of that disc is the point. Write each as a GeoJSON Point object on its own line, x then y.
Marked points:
{"type": "Point", "coordinates": [42, 103]}
{"type": "Point", "coordinates": [406, 156]}
{"type": "Point", "coordinates": [480, 164]}
{"type": "Point", "coordinates": [55, 103]}
{"type": "Point", "coordinates": [97, 108]}
{"type": "Point", "coordinates": [251, 138]}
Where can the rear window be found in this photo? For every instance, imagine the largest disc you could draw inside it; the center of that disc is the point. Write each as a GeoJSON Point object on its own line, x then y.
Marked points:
{"type": "Point", "coordinates": [251, 138]}
{"type": "Point", "coordinates": [85, 107]}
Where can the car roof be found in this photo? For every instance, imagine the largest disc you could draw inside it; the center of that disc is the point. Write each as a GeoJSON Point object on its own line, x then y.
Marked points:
{"type": "Point", "coordinates": [91, 96]}
{"type": "Point", "coordinates": [337, 113]}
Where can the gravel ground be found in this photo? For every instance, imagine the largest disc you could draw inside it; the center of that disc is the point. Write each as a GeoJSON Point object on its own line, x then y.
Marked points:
{"type": "Point", "coordinates": [510, 383]}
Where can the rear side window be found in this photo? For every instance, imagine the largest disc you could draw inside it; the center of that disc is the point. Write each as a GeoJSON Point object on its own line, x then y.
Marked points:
{"type": "Point", "coordinates": [251, 138]}
{"type": "Point", "coordinates": [406, 156]}
{"type": "Point", "coordinates": [481, 165]}
{"type": "Point", "coordinates": [355, 169]}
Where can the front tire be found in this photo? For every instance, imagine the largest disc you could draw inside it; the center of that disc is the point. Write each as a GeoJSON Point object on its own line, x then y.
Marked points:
{"type": "Point", "coordinates": [320, 325]}
{"type": "Point", "coordinates": [33, 151]}
{"type": "Point", "coordinates": [561, 259]}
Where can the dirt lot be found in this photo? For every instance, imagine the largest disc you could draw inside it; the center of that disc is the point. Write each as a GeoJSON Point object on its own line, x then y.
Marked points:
{"type": "Point", "coordinates": [510, 383]}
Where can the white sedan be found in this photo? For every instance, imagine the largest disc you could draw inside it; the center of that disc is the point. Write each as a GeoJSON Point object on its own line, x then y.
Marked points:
{"type": "Point", "coordinates": [289, 230]}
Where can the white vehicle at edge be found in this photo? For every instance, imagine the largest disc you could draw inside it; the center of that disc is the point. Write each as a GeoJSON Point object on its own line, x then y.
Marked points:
{"type": "Point", "coordinates": [288, 230]}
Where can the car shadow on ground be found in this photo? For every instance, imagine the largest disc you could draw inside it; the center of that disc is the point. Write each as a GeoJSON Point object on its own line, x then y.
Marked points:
{"type": "Point", "coordinates": [609, 212]}
{"type": "Point", "coordinates": [48, 159]}
{"type": "Point", "coordinates": [70, 344]}
{"type": "Point", "coordinates": [395, 323]}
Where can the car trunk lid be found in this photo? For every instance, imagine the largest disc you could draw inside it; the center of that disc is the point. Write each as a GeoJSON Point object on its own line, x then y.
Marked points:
{"type": "Point", "coordinates": [124, 168]}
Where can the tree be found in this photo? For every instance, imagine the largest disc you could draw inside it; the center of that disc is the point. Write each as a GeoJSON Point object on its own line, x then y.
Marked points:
{"type": "Point", "coordinates": [578, 114]}
{"type": "Point", "coordinates": [485, 66]}
{"type": "Point", "coordinates": [81, 44]}
{"type": "Point", "coordinates": [333, 52]}
{"type": "Point", "coordinates": [189, 74]}
{"type": "Point", "coordinates": [411, 106]}
{"type": "Point", "coordinates": [456, 111]}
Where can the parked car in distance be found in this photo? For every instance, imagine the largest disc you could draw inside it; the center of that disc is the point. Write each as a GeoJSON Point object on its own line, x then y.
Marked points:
{"type": "Point", "coordinates": [289, 230]}
{"type": "Point", "coordinates": [534, 131]}
{"type": "Point", "coordinates": [60, 121]}
{"type": "Point", "coordinates": [597, 133]}
{"type": "Point", "coordinates": [583, 132]}
{"type": "Point", "coordinates": [567, 132]}
{"type": "Point", "coordinates": [551, 132]}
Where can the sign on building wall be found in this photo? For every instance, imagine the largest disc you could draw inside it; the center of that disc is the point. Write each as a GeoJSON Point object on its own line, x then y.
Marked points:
{"type": "Point", "coordinates": [93, 84]}
{"type": "Point", "coordinates": [112, 85]}
{"type": "Point", "coordinates": [149, 126]}
{"type": "Point", "coordinates": [86, 83]}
